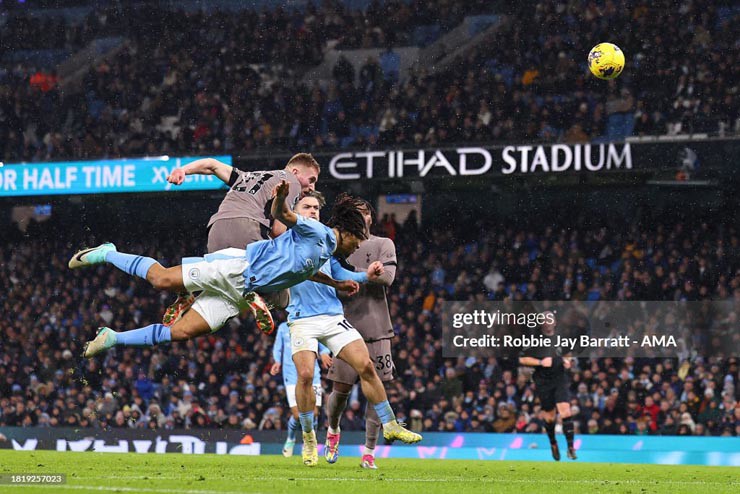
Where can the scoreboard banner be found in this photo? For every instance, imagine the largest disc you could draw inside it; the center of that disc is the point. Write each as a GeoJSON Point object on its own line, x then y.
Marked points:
{"type": "Point", "coordinates": [596, 448]}
{"type": "Point", "coordinates": [102, 177]}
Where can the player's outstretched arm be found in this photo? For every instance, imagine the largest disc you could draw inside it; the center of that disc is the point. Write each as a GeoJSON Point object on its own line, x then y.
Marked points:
{"type": "Point", "coordinates": [280, 210]}
{"type": "Point", "coordinates": [348, 287]}
{"type": "Point", "coordinates": [277, 229]}
{"type": "Point", "coordinates": [205, 166]}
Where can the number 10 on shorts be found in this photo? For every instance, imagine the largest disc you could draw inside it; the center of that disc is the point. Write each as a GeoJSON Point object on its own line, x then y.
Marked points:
{"type": "Point", "coordinates": [346, 325]}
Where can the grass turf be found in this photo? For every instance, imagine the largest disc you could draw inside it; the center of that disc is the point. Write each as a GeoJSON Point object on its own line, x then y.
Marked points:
{"type": "Point", "coordinates": [212, 474]}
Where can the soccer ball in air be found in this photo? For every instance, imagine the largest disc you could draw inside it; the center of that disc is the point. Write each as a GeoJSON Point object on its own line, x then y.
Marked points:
{"type": "Point", "coordinates": [606, 61]}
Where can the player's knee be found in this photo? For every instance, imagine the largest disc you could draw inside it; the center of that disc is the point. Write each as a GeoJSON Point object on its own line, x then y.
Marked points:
{"type": "Point", "coordinates": [305, 376]}
{"type": "Point", "coordinates": [341, 388]}
{"type": "Point", "coordinates": [159, 280]}
{"type": "Point", "coordinates": [367, 370]}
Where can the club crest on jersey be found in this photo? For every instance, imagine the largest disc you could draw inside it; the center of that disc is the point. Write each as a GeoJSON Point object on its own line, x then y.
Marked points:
{"type": "Point", "coordinates": [194, 273]}
{"type": "Point", "coordinates": [308, 263]}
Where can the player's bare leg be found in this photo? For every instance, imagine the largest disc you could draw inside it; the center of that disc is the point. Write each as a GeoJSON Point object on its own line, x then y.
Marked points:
{"type": "Point", "coordinates": [357, 356]}
{"type": "Point", "coordinates": [190, 326]}
{"type": "Point", "coordinates": [305, 361]}
{"type": "Point", "coordinates": [168, 279]}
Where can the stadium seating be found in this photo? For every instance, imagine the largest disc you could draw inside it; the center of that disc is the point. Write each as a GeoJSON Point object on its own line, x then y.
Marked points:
{"type": "Point", "coordinates": [527, 81]}
{"type": "Point", "coordinates": [222, 380]}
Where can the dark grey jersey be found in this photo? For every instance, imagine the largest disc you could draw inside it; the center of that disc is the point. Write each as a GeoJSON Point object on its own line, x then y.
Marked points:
{"type": "Point", "coordinates": [250, 195]}
{"type": "Point", "coordinates": [368, 311]}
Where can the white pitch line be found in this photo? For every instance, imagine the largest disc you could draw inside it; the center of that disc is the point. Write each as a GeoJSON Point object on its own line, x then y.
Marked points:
{"type": "Point", "coordinates": [424, 480]}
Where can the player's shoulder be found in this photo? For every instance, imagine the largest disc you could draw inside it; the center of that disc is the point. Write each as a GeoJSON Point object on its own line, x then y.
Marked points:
{"type": "Point", "coordinates": [383, 245]}
{"type": "Point", "coordinates": [275, 176]}
{"type": "Point", "coordinates": [283, 174]}
{"type": "Point", "coordinates": [310, 225]}
{"type": "Point", "coordinates": [238, 174]}
{"type": "Point", "coordinates": [377, 240]}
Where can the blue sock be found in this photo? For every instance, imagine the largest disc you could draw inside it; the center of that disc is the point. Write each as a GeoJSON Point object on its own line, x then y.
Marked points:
{"type": "Point", "coordinates": [292, 427]}
{"type": "Point", "coordinates": [151, 335]}
{"type": "Point", "coordinates": [306, 419]}
{"type": "Point", "coordinates": [130, 263]}
{"type": "Point", "coordinates": [385, 412]}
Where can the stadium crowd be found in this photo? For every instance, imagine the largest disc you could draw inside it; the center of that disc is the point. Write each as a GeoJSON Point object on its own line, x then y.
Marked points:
{"type": "Point", "coordinates": [527, 81]}
{"type": "Point", "coordinates": [223, 380]}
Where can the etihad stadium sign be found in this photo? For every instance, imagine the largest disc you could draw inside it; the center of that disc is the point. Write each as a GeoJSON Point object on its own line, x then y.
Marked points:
{"type": "Point", "coordinates": [473, 161]}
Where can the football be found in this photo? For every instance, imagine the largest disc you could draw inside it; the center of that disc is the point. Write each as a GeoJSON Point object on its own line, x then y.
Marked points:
{"type": "Point", "coordinates": [606, 61]}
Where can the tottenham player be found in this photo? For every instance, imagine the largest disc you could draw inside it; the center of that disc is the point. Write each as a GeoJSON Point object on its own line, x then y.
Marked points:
{"type": "Point", "coordinates": [368, 312]}
{"type": "Point", "coordinates": [244, 215]}
{"type": "Point", "coordinates": [229, 277]}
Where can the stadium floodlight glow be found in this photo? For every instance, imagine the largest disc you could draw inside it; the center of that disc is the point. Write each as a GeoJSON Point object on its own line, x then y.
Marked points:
{"type": "Point", "coordinates": [156, 158]}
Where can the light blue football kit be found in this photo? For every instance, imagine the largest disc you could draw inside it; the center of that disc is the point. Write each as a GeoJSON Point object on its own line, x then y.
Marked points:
{"type": "Point", "coordinates": [225, 276]}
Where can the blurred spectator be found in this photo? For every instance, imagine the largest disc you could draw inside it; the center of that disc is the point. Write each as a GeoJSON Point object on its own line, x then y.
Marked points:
{"type": "Point", "coordinates": [523, 82]}
{"type": "Point", "coordinates": [223, 381]}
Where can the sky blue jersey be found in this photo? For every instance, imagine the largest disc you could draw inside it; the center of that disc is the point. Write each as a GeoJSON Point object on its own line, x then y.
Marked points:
{"type": "Point", "coordinates": [310, 299]}
{"type": "Point", "coordinates": [281, 354]}
{"type": "Point", "coordinates": [289, 259]}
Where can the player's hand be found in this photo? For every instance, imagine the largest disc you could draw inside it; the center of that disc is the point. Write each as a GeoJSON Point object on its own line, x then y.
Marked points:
{"type": "Point", "coordinates": [375, 271]}
{"type": "Point", "coordinates": [349, 287]}
{"type": "Point", "coordinates": [281, 191]}
{"type": "Point", "coordinates": [546, 362]}
{"type": "Point", "coordinates": [177, 176]}
{"type": "Point", "coordinates": [275, 369]}
{"type": "Point", "coordinates": [326, 360]}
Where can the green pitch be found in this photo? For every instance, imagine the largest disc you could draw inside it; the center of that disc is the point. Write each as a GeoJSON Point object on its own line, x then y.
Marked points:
{"type": "Point", "coordinates": [212, 474]}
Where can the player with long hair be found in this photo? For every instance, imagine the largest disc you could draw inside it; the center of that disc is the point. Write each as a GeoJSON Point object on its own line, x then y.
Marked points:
{"type": "Point", "coordinates": [229, 278]}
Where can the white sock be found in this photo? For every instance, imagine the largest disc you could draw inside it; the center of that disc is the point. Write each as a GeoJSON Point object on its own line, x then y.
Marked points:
{"type": "Point", "coordinates": [334, 431]}
{"type": "Point", "coordinates": [368, 451]}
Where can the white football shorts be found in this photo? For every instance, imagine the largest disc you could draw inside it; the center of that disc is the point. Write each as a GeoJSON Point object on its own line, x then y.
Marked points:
{"type": "Point", "coordinates": [220, 276]}
{"type": "Point", "coordinates": [290, 393]}
{"type": "Point", "coordinates": [333, 331]}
